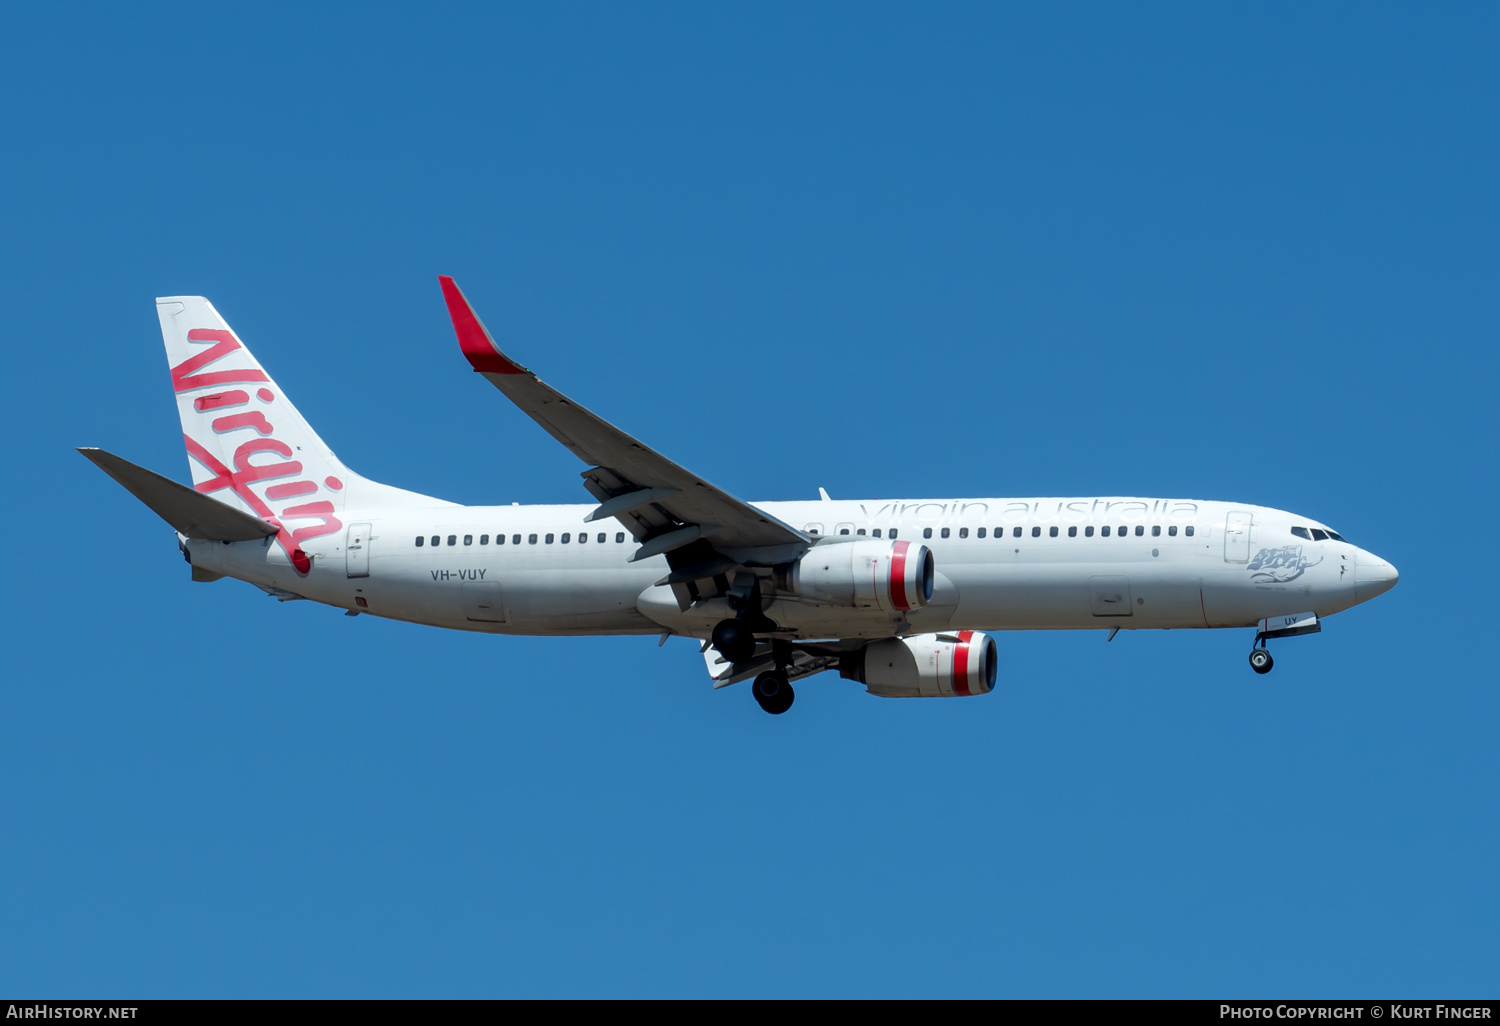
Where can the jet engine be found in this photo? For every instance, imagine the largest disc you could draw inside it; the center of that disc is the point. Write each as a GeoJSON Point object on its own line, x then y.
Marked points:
{"type": "Point", "coordinates": [865, 574]}
{"type": "Point", "coordinates": [925, 665]}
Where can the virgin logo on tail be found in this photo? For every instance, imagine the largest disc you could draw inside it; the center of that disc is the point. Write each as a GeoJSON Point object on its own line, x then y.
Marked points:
{"type": "Point", "coordinates": [246, 476]}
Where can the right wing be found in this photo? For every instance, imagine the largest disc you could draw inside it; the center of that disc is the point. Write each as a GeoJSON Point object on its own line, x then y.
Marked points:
{"type": "Point", "coordinates": [702, 530]}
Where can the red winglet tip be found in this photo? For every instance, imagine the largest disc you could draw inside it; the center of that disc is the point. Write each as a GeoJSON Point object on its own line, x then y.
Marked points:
{"type": "Point", "coordinates": [478, 348]}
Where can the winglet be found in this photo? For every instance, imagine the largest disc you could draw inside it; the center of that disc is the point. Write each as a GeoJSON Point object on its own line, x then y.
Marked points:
{"type": "Point", "coordinates": [477, 344]}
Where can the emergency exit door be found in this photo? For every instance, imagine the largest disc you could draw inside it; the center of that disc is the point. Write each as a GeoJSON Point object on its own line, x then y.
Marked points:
{"type": "Point", "coordinates": [357, 550]}
{"type": "Point", "coordinates": [1237, 538]}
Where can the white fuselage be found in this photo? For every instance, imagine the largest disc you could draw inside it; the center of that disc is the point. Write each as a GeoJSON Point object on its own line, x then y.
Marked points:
{"type": "Point", "coordinates": [1002, 564]}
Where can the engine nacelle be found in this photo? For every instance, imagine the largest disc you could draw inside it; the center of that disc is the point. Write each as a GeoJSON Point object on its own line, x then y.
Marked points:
{"type": "Point", "coordinates": [865, 574]}
{"type": "Point", "coordinates": [925, 665]}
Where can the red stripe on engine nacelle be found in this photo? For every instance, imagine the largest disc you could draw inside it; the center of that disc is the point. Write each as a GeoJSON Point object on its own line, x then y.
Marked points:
{"type": "Point", "coordinates": [898, 575]}
{"type": "Point", "coordinates": [475, 342]}
{"type": "Point", "coordinates": [961, 663]}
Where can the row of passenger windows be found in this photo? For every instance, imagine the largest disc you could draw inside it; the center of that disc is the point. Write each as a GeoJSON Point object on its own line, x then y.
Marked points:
{"type": "Point", "coordinates": [1317, 534]}
{"type": "Point", "coordinates": [515, 539]}
{"type": "Point", "coordinates": [945, 532]}
{"type": "Point", "coordinates": [1052, 532]}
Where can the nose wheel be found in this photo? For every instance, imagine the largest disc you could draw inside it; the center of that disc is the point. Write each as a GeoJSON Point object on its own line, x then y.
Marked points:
{"type": "Point", "coordinates": [1260, 660]}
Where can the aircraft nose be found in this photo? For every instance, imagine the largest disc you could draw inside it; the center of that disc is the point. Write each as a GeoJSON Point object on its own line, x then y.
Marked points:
{"type": "Point", "coordinates": [1372, 576]}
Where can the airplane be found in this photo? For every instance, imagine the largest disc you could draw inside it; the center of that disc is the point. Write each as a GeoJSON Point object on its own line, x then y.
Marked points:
{"type": "Point", "coordinates": [902, 596]}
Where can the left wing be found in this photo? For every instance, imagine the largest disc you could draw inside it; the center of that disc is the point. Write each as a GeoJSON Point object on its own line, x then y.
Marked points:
{"type": "Point", "coordinates": [703, 530]}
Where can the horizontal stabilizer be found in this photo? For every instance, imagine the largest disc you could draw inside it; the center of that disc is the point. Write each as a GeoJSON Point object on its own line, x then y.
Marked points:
{"type": "Point", "coordinates": [191, 513]}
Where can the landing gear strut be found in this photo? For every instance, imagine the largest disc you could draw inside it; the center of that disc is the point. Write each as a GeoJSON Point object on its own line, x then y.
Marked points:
{"type": "Point", "coordinates": [1260, 659]}
{"type": "Point", "coordinates": [735, 638]}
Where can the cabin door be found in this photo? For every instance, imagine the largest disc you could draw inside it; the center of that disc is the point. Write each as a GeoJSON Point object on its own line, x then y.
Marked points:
{"type": "Point", "coordinates": [357, 550]}
{"type": "Point", "coordinates": [1237, 538]}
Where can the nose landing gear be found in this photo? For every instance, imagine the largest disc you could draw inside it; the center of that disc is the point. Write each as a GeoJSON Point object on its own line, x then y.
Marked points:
{"type": "Point", "coordinates": [1293, 625]}
{"type": "Point", "coordinates": [1260, 659]}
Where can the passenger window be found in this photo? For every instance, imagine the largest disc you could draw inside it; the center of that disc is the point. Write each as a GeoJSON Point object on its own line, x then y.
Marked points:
{"type": "Point", "coordinates": [860, 531]}
{"type": "Point", "coordinates": [619, 537]}
{"type": "Point", "coordinates": [468, 539]}
{"type": "Point", "coordinates": [1188, 530]}
{"type": "Point", "coordinates": [1319, 535]}
{"type": "Point", "coordinates": [1172, 531]}
{"type": "Point", "coordinates": [602, 538]}
{"type": "Point", "coordinates": [1104, 531]}
{"type": "Point", "coordinates": [963, 532]}
{"type": "Point", "coordinates": [1140, 530]}
{"type": "Point", "coordinates": [484, 539]}
{"type": "Point", "coordinates": [549, 539]}
{"type": "Point", "coordinates": [893, 533]}
{"type": "Point", "coordinates": [945, 532]}
{"type": "Point", "coordinates": [1073, 531]}
{"type": "Point", "coordinates": [1016, 533]}
{"type": "Point", "coordinates": [1052, 532]}
{"type": "Point", "coordinates": [1088, 532]}
{"type": "Point", "coordinates": [1301, 532]}
{"type": "Point", "coordinates": [926, 532]}
{"type": "Point", "coordinates": [565, 538]}
{"type": "Point", "coordinates": [1036, 532]}
{"type": "Point", "coordinates": [875, 533]}
{"type": "Point", "coordinates": [436, 541]}
{"type": "Point", "coordinates": [531, 539]}
{"type": "Point", "coordinates": [453, 539]}
{"type": "Point", "coordinates": [420, 540]}
{"type": "Point", "coordinates": [1156, 530]}
{"type": "Point", "coordinates": [979, 533]}
{"type": "Point", "coordinates": [814, 529]}
{"type": "Point", "coordinates": [583, 536]}
{"type": "Point", "coordinates": [843, 530]}
{"type": "Point", "coordinates": [500, 539]}
{"type": "Point", "coordinates": [515, 539]}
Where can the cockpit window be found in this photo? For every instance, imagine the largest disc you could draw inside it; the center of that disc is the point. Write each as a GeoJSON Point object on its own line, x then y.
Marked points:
{"type": "Point", "coordinates": [1301, 532]}
{"type": "Point", "coordinates": [1335, 536]}
{"type": "Point", "coordinates": [1319, 535]}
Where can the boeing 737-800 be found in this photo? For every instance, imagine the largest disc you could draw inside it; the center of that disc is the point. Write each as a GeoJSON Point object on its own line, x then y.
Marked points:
{"type": "Point", "coordinates": [901, 596]}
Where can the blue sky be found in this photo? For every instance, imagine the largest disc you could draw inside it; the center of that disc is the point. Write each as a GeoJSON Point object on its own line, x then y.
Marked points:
{"type": "Point", "coordinates": [1219, 252]}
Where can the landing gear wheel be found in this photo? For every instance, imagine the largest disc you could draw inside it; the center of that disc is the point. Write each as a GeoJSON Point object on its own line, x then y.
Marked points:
{"type": "Point", "coordinates": [733, 641]}
{"type": "Point", "coordinates": [1260, 660]}
{"type": "Point", "coordinates": [773, 692]}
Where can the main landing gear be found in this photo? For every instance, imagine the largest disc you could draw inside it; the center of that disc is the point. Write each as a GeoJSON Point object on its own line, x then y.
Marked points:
{"type": "Point", "coordinates": [774, 692]}
{"type": "Point", "coordinates": [734, 640]}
